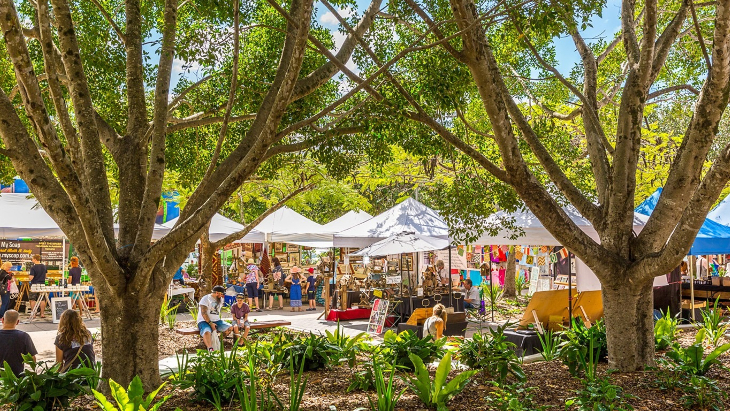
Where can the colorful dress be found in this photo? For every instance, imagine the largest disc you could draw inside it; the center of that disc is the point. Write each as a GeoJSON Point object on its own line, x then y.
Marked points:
{"type": "Point", "coordinates": [295, 293]}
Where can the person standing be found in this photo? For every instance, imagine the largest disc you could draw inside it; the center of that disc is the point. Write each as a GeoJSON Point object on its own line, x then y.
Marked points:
{"type": "Point", "coordinates": [37, 276]}
{"type": "Point", "coordinates": [239, 312]}
{"type": "Point", "coordinates": [6, 276]}
{"type": "Point", "coordinates": [311, 285]}
{"type": "Point", "coordinates": [278, 274]}
{"type": "Point", "coordinates": [443, 276]}
{"type": "Point", "coordinates": [75, 274]}
{"type": "Point", "coordinates": [252, 284]}
{"type": "Point", "coordinates": [209, 316]}
{"type": "Point", "coordinates": [14, 343]}
{"type": "Point", "coordinates": [295, 291]}
{"type": "Point", "coordinates": [701, 267]}
{"type": "Point", "coordinates": [74, 344]}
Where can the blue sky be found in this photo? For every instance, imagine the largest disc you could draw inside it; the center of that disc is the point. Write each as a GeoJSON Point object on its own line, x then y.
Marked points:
{"type": "Point", "coordinates": [606, 26]}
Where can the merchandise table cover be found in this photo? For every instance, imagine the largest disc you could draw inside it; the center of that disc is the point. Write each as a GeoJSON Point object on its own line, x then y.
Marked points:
{"type": "Point", "coordinates": [349, 314]}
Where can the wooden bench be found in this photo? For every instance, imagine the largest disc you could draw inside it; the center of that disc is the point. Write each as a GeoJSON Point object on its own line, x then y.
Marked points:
{"type": "Point", "coordinates": [257, 325]}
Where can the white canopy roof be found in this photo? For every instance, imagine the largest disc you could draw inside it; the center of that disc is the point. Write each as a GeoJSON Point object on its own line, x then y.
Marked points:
{"type": "Point", "coordinates": [404, 243]}
{"type": "Point", "coordinates": [408, 216]}
{"type": "Point", "coordinates": [534, 233]}
{"type": "Point", "coordinates": [721, 213]}
{"type": "Point", "coordinates": [350, 219]}
{"type": "Point", "coordinates": [287, 226]}
{"type": "Point", "coordinates": [22, 216]}
{"type": "Point", "coordinates": [221, 227]}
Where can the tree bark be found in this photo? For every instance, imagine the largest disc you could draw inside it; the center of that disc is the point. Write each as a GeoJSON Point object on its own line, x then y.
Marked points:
{"type": "Point", "coordinates": [207, 256]}
{"type": "Point", "coordinates": [510, 286]}
{"type": "Point", "coordinates": [627, 310]}
{"type": "Point", "coordinates": [129, 329]}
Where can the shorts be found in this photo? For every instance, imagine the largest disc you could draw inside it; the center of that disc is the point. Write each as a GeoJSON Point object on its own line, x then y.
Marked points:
{"type": "Point", "coordinates": [33, 296]}
{"type": "Point", "coordinates": [252, 290]}
{"type": "Point", "coordinates": [469, 306]}
{"type": "Point", "coordinates": [310, 295]}
{"type": "Point", "coordinates": [245, 323]}
{"type": "Point", "coordinates": [220, 325]}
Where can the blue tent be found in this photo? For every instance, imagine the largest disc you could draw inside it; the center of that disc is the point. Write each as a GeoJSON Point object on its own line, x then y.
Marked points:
{"type": "Point", "coordinates": [721, 213]}
{"type": "Point", "coordinates": [713, 238]}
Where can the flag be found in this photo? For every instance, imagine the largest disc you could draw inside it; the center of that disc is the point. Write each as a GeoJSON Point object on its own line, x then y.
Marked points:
{"type": "Point", "coordinates": [541, 260]}
{"type": "Point", "coordinates": [564, 253]}
{"type": "Point", "coordinates": [554, 258]}
{"type": "Point", "coordinates": [530, 260]}
{"type": "Point", "coordinates": [544, 249]}
{"type": "Point", "coordinates": [519, 255]}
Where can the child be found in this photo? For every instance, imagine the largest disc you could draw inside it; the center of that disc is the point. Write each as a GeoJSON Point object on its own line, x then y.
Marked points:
{"type": "Point", "coordinates": [295, 291]}
{"type": "Point", "coordinates": [311, 280]}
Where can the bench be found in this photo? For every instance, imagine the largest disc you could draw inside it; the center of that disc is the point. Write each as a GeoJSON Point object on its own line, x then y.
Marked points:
{"type": "Point", "coordinates": [257, 325]}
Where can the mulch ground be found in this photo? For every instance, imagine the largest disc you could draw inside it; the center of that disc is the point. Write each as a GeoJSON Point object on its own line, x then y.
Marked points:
{"type": "Point", "coordinates": [327, 389]}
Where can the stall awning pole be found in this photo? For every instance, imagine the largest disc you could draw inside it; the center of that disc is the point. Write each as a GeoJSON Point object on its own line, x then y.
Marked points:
{"type": "Point", "coordinates": [451, 294]}
{"type": "Point", "coordinates": [570, 290]}
{"type": "Point", "coordinates": [63, 262]}
{"type": "Point", "coordinates": [692, 267]}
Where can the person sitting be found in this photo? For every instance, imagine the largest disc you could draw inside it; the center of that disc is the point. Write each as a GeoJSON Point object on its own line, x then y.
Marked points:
{"type": "Point", "coordinates": [209, 316]}
{"type": "Point", "coordinates": [74, 344]}
{"type": "Point", "coordinates": [178, 277]}
{"type": "Point", "coordinates": [14, 343]}
{"type": "Point", "coordinates": [239, 311]}
{"type": "Point", "coordinates": [436, 323]}
{"type": "Point", "coordinates": [471, 299]}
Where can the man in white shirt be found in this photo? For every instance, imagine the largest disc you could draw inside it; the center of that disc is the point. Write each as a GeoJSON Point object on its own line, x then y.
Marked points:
{"type": "Point", "coordinates": [209, 316]}
{"type": "Point", "coordinates": [472, 299]}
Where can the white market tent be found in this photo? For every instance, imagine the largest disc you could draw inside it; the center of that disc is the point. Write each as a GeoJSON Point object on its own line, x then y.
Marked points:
{"type": "Point", "coordinates": [22, 216]}
{"type": "Point", "coordinates": [721, 213]}
{"type": "Point", "coordinates": [403, 243]}
{"type": "Point", "coordinates": [221, 227]}
{"type": "Point", "coordinates": [287, 226]}
{"type": "Point", "coordinates": [350, 219]}
{"type": "Point", "coordinates": [408, 216]}
{"type": "Point", "coordinates": [529, 231]}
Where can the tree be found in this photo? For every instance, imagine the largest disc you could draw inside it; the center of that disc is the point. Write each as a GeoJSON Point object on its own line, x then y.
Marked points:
{"type": "Point", "coordinates": [497, 58]}
{"type": "Point", "coordinates": [84, 105]}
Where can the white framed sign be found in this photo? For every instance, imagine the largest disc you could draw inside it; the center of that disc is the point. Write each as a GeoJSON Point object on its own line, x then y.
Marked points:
{"type": "Point", "coordinates": [58, 306]}
{"type": "Point", "coordinates": [393, 279]}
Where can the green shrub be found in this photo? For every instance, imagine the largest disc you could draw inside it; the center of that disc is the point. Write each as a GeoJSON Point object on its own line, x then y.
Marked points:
{"type": "Point", "coordinates": [130, 399]}
{"type": "Point", "coordinates": [387, 395]}
{"type": "Point", "coordinates": [44, 387]}
{"type": "Point", "coordinates": [348, 346]}
{"type": "Point", "coordinates": [599, 395]}
{"type": "Point", "coordinates": [437, 392]}
{"type": "Point", "coordinates": [397, 348]}
{"type": "Point", "coordinates": [703, 393]}
{"type": "Point", "coordinates": [575, 350]}
{"type": "Point", "coordinates": [549, 341]}
{"type": "Point", "coordinates": [492, 353]}
{"type": "Point", "coordinates": [513, 397]}
{"type": "Point", "coordinates": [712, 323]}
{"type": "Point", "coordinates": [665, 329]}
{"type": "Point", "coordinates": [315, 350]}
{"type": "Point", "coordinates": [213, 375]}
{"type": "Point", "coordinates": [692, 359]}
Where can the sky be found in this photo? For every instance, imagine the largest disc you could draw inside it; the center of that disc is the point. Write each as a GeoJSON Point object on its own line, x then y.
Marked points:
{"type": "Point", "coordinates": [606, 26]}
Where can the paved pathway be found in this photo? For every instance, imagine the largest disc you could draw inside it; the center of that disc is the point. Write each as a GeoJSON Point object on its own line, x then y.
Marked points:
{"type": "Point", "coordinates": [43, 332]}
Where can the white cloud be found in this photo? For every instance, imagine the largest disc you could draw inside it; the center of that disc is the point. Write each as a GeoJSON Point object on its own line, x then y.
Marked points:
{"type": "Point", "coordinates": [329, 17]}
{"type": "Point", "coordinates": [339, 39]}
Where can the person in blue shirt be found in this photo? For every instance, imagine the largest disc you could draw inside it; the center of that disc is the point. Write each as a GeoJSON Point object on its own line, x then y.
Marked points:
{"type": "Point", "coordinates": [179, 276]}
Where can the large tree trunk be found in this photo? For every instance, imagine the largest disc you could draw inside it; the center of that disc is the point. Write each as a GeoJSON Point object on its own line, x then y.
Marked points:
{"type": "Point", "coordinates": [629, 324]}
{"type": "Point", "coordinates": [509, 276]}
{"type": "Point", "coordinates": [129, 329]}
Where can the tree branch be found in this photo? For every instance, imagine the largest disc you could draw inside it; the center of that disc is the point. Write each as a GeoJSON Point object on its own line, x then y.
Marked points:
{"type": "Point", "coordinates": [109, 20]}
{"type": "Point", "coordinates": [670, 89]}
